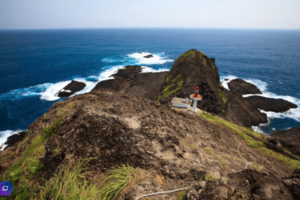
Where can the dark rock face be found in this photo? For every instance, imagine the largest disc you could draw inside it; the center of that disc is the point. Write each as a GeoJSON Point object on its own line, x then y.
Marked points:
{"type": "Point", "coordinates": [129, 72]}
{"type": "Point", "coordinates": [242, 87]}
{"type": "Point", "coordinates": [148, 56]}
{"type": "Point", "coordinates": [289, 139]}
{"type": "Point", "coordinates": [11, 140]}
{"type": "Point", "coordinates": [131, 82]}
{"type": "Point", "coordinates": [191, 69]}
{"type": "Point", "coordinates": [73, 87]}
{"type": "Point", "coordinates": [147, 85]}
{"type": "Point", "coordinates": [248, 184]}
{"type": "Point", "coordinates": [293, 183]}
{"type": "Point", "coordinates": [122, 79]}
{"type": "Point", "coordinates": [268, 104]}
{"type": "Point", "coordinates": [242, 112]}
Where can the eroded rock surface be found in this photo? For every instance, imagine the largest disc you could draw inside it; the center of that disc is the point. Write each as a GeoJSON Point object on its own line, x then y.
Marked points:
{"type": "Point", "coordinates": [293, 183]}
{"type": "Point", "coordinates": [247, 184]}
{"type": "Point", "coordinates": [242, 87]}
{"type": "Point", "coordinates": [130, 81]}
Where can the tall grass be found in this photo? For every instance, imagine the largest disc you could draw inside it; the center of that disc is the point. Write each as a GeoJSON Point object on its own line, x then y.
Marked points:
{"type": "Point", "coordinates": [71, 183]}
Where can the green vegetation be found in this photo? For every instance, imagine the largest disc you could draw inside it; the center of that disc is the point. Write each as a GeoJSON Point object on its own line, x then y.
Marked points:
{"type": "Point", "coordinates": [208, 177]}
{"type": "Point", "coordinates": [118, 179]}
{"type": "Point", "coordinates": [256, 141]}
{"type": "Point", "coordinates": [181, 195]}
{"type": "Point", "coordinates": [71, 105]}
{"type": "Point", "coordinates": [28, 165]}
{"type": "Point", "coordinates": [73, 186]}
{"type": "Point", "coordinates": [167, 89]}
{"type": "Point", "coordinates": [226, 156]}
{"type": "Point", "coordinates": [222, 139]}
{"type": "Point", "coordinates": [51, 129]}
{"type": "Point", "coordinates": [61, 112]}
{"type": "Point", "coordinates": [189, 53]}
{"type": "Point", "coordinates": [24, 141]}
{"type": "Point", "coordinates": [194, 146]}
{"type": "Point", "coordinates": [208, 150]}
{"type": "Point", "coordinates": [257, 168]}
{"type": "Point", "coordinates": [222, 95]}
{"type": "Point", "coordinates": [224, 163]}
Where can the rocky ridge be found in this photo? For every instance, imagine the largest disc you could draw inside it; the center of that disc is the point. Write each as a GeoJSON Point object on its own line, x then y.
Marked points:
{"type": "Point", "coordinates": [121, 123]}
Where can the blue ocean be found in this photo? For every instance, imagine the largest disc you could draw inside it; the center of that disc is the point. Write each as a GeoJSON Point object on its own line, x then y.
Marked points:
{"type": "Point", "coordinates": [36, 64]}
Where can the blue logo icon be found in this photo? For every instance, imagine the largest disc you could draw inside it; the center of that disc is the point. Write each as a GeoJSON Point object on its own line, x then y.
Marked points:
{"type": "Point", "coordinates": [6, 188]}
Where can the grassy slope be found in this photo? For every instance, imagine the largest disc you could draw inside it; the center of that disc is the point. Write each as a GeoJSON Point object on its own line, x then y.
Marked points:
{"type": "Point", "coordinates": [256, 141]}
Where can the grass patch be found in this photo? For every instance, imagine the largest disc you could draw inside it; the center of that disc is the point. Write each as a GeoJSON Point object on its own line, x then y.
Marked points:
{"type": "Point", "coordinates": [71, 183]}
{"type": "Point", "coordinates": [56, 151]}
{"type": "Point", "coordinates": [71, 105]}
{"type": "Point", "coordinates": [24, 141]}
{"type": "Point", "coordinates": [222, 95]}
{"type": "Point", "coordinates": [242, 131]}
{"type": "Point", "coordinates": [222, 139]}
{"type": "Point", "coordinates": [226, 156]}
{"type": "Point", "coordinates": [208, 177]}
{"type": "Point", "coordinates": [51, 129]}
{"type": "Point", "coordinates": [167, 89]}
{"type": "Point", "coordinates": [208, 150]}
{"type": "Point", "coordinates": [224, 163]}
{"type": "Point", "coordinates": [61, 112]}
{"type": "Point", "coordinates": [27, 166]}
{"type": "Point", "coordinates": [181, 195]}
{"type": "Point", "coordinates": [118, 179]}
{"type": "Point", "coordinates": [257, 168]}
{"type": "Point", "coordinates": [189, 53]}
{"type": "Point", "coordinates": [194, 146]}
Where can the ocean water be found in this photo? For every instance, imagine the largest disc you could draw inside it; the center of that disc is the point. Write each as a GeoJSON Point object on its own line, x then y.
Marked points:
{"type": "Point", "coordinates": [36, 64]}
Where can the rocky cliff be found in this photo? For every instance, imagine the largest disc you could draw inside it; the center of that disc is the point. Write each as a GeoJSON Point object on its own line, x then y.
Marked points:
{"type": "Point", "coordinates": [119, 142]}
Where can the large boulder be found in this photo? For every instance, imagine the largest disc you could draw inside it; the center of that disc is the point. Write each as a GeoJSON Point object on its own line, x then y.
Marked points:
{"type": "Point", "coordinates": [242, 87]}
{"type": "Point", "coordinates": [193, 68]}
{"type": "Point", "coordinates": [71, 88]}
{"type": "Point", "coordinates": [269, 104]}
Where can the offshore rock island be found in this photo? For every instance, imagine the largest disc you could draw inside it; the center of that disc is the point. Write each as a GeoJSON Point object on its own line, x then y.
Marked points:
{"type": "Point", "coordinates": [126, 130]}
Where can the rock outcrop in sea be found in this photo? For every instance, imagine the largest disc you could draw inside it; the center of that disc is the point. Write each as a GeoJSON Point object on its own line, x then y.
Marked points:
{"type": "Point", "coordinates": [126, 128]}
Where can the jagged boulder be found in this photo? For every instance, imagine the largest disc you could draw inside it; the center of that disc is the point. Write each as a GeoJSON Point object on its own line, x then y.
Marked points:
{"type": "Point", "coordinates": [242, 87]}
{"type": "Point", "coordinates": [71, 88]}
{"type": "Point", "coordinates": [193, 68]}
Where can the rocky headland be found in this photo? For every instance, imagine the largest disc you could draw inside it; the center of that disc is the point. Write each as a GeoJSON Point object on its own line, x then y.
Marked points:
{"type": "Point", "coordinates": [122, 140]}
